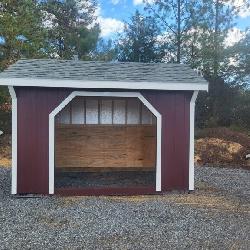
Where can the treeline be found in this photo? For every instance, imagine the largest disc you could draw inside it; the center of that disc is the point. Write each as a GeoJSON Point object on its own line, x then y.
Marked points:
{"type": "Point", "coordinates": [177, 31]}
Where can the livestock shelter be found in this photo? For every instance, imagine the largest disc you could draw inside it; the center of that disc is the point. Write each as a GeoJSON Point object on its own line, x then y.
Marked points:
{"type": "Point", "coordinates": [102, 128]}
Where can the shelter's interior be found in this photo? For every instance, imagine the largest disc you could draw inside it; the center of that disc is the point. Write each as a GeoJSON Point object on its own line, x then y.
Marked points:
{"type": "Point", "coordinates": [105, 141]}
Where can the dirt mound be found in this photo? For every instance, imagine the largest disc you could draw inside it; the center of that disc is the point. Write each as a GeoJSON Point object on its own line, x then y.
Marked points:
{"type": "Point", "coordinates": [5, 150]}
{"type": "Point", "coordinates": [222, 146]}
{"type": "Point", "coordinates": [225, 134]}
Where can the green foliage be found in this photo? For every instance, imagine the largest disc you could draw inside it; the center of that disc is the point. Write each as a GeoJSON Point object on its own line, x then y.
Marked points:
{"type": "Point", "coordinates": [237, 66]}
{"type": "Point", "coordinates": [34, 29]}
{"type": "Point", "coordinates": [196, 31]}
{"type": "Point", "coordinates": [241, 114]}
{"type": "Point", "coordinates": [215, 20]}
{"type": "Point", "coordinates": [5, 115]}
{"type": "Point", "coordinates": [105, 51]}
{"type": "Point", "coordinates": [176, 19]}
{"type": "Point", "coordinates": [21, 30]}
{"type": "Point", "coordinates": [224, 105]}
{"type": "Point", "coordinates": [69, 32]}
{"type": "Point", "coordinates": [139, 41]}
{"type": "Point", "coordinates": [4, 95]}
{"type": "Point", "coordinates": [217, 107]}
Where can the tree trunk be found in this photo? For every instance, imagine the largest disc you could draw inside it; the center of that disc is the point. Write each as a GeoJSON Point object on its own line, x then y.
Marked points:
{"type": "Point", "coordinates": [178, 31]}
{"type": "Point", "coordinates": [216, 31]}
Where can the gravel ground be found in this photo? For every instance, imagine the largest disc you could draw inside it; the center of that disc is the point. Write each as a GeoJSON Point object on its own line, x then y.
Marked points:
{"type": "Point", "coordinates": [215, 216]}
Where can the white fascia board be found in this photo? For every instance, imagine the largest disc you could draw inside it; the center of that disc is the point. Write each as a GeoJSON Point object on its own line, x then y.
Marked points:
{"type": "Point", "coordinates": [67, 83]}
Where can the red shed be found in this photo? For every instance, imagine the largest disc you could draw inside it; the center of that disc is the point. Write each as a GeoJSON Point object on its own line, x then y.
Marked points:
{"type": "Point", "coordinates": [102, 127]}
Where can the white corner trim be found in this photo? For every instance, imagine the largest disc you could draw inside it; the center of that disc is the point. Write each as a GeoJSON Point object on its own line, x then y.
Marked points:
{"type": "Point", "coordinates": [14, 141]}
{"type": "Point", "coordinates": [69, 83]}
{"type": "Point", "coordinates": [191, 141]}
{"type": "Point", "coordinates": [108, 94]}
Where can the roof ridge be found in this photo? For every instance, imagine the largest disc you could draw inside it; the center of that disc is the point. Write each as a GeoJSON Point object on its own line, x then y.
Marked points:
{"type": "Point", "coordinates": [102, 62]}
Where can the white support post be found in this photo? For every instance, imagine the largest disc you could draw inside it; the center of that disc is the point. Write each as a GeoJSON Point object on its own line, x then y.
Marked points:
{"type": "Point", "coordinates": [191, 139]}
{"type": "Point", "coordinates": [51, 153]}
{"type": "Point", "coordinates": [14, 140]}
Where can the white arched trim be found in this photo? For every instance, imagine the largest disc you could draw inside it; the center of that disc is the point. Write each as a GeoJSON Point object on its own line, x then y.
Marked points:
{"type": "Point", "coordinates": [14, 140]}
{"type": "Point", "coordinates": [106, 94]}
{"type": "Point", "coordinates": [191, 141]}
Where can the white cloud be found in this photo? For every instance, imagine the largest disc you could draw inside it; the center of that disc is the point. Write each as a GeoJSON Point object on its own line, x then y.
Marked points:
{"type": "Point", "coordinates": [242, 6]}
{"type": "Point", "coordinates": [234, 35]}
{"type": "Point", "coordinates": [109, 26]}
{"type": "Point", "coordinates": [138, 2]}
{"type": "Point", "coordinates": [115, 2]}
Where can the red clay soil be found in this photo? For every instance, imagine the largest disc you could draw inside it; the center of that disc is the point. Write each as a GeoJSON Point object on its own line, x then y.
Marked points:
{"type": "Point", "coordinates": [222, 146]}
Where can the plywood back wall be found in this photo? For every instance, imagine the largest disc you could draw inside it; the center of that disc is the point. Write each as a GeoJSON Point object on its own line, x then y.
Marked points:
{"type": "Point", "coordinates": [99, 147]}
{"type": "Point", "coordinates": [94, 110]}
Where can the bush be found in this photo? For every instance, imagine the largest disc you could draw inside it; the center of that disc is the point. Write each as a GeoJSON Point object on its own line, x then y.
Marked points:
{"type": "Point", "coordinates": [4, 95]}
{"type": "Point", "coordinates": [223, 105]}
{"type": "Point", "coordinates": [5, 122]}
{"type": "Point", "coordinates": [242, 110]}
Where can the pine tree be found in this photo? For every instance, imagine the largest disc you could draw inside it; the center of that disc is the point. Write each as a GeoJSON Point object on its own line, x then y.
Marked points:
{"type": "Point", "coordinates": [216, 18]}
{"type": "Point", "coordinates": [176, 19]}
{"type": "Point", "coordinates": [72, 30]}
{"type": "Point", "coordinates": [139, 42]}
{"type": "Point", "coordinates": [21, 31]}
{"type": "Point", "coordinates": [237, 66]}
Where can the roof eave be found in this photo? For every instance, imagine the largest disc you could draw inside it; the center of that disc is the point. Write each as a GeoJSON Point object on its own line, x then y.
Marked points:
{"type": "Point", "coordinates": [86, 84]}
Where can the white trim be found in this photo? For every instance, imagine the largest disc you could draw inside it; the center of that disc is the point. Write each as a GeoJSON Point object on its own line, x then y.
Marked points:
{"type": "Point", "coordinates": [67, 83]}
{"type": "Point", "coordinates": [109, 94]}
{"type": "Point", "coordinates": [14, 140]}
{"type": "Point", "coordinates": [191, 141]}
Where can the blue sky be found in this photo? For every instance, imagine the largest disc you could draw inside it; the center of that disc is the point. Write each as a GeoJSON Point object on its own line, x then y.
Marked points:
{"type": "Point", "coordinates": [120, 10]}
{"type": "Point", "coordinates": [112, 14]}
{"type": "Point", "coordinates": [243, 22]}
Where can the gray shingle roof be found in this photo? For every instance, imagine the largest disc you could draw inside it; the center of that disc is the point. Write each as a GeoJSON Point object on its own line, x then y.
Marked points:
{"type": "Point", "coordinates": [103, 71]}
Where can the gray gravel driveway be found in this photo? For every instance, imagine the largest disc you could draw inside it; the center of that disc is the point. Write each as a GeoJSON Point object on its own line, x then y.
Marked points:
{"type": "Point", "coordinates": [215, 216]}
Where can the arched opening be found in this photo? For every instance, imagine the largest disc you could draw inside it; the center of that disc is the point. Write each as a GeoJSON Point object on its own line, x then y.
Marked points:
{"type": "Point", "coordinates": [105, 141]}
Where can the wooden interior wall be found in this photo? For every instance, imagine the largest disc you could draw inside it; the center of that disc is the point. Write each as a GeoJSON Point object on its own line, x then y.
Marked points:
{"type": "Point", "coordinates": [105, 110]}
{"type": "Point", "coordinates": [105, 147]}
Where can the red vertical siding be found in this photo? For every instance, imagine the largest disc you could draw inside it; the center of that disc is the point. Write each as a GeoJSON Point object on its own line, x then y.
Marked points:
{"type": "Point", "coordinates": [33, 108]}
{"type": "Point", "coordinates": [35, 105]}
{"type": "Point", "coordinates": [174, 108]}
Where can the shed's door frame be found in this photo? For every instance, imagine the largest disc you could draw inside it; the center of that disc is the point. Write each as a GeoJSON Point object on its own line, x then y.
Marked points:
{"type": "Point", "coordinates": [103, 94]}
